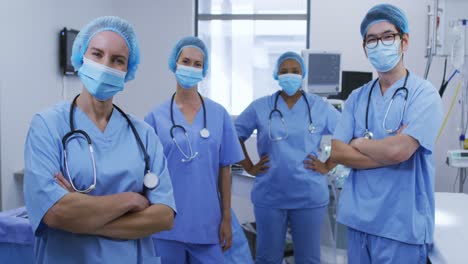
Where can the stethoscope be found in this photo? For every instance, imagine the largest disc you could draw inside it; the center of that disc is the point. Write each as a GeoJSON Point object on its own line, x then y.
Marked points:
{"type": "Point", "coordinates": [367, 133]}
{"type": "Point", "coordinates": [275, 109]}
{"type": "Point", "coordinates": [204, 132]}
{"type": "Point", "coordinates": [150, 179]}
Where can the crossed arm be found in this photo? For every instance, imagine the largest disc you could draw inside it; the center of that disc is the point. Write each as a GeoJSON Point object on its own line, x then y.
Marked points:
{"type": "Point", "coordinates": [126, 215]}
{"type": "Point", "coordinates": [364, 153]}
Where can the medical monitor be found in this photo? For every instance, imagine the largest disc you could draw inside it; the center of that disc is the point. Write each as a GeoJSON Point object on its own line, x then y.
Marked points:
{"type": "Point", "coordinates": [67, 36]}
{"type": "Point", "coordinates": [323, 72]}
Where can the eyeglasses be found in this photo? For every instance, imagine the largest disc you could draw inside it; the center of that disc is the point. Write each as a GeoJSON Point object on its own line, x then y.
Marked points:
{"type": "Point", "coordinates": [387, 40]}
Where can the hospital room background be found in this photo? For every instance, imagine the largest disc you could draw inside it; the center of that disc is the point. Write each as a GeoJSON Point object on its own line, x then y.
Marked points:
{"type": "Point", "coordinates": [31, 78]}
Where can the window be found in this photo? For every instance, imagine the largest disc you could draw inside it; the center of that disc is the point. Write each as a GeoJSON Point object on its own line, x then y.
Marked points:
{"type": "Point", "coordinates": [245, 38]}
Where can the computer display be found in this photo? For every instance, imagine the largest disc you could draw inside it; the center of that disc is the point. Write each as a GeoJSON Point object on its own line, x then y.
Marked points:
{"type": "Point", "coordinates": [351, 80]}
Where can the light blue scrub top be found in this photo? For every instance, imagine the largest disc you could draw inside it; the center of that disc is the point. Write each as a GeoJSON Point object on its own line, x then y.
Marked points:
{"type": "Point", "coordinates": [287, 184]}
{"type": "Point", "coordinates": [120, 168]}
{"type": "Point", "coordinates": [196, 182]}
{"type": "Point", "coordinates": [397, 201]}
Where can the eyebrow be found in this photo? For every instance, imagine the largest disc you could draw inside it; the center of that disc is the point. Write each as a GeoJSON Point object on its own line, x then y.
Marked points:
{"type": "Point", "coordinates": [96, 49]}
{"type": "Point", "coordinates": [188, 58]}
{"type": "Point", "coordinates": [385, 32]}
{"type": "Point", "coordinates": [114, 55]}
{"type": "Point", "coordinates": [120, 57]}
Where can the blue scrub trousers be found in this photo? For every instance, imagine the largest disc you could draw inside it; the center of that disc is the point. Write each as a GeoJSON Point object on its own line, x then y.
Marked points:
{"type": "Point", "coordinates": [305, 226]}
{"type": "Point", "coordinates": [175, 252]}
{"type": "Point", "coordinates": [365, 248]}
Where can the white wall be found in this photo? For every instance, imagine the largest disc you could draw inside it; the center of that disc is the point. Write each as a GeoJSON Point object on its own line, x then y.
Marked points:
{"type": "Point", "coordinates": [30, 78]}
{"type": "Point", "coordinates": [159, 25]}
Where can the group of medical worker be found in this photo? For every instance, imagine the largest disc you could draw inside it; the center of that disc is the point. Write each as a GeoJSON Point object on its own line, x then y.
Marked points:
{"type": "Point", "coordinates": [99, 182]}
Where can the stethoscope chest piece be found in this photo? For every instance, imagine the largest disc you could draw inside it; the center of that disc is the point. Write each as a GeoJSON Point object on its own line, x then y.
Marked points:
{"type": "Point", "coordinates": [205, 133]}
{"type": "Point", "coordinates": [311, 128]}
{"type": "Point", "coordinates": [368, 134]}
{"type": "Point", "coordinates": [151, 180]}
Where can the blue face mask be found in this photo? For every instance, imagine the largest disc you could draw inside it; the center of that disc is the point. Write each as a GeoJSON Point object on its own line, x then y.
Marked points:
{"type": "Point", "coordinates": [384, 58]}
{"type": "Point", "coordinates": [187, 76]}
{"type": "Point", "coordinates": [101, 81]}
{"type": "Point", "coordinates": [290, 82]}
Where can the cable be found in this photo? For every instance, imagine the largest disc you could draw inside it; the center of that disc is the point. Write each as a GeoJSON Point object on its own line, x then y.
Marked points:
{"type": "Point", "coordinates": [64, 94]}
{"type": "Point", "coordinates": [442, 85]}
{"type": "Point", "coordinates": [462, 181]}
{"type": "Point", "coordinates": [456, 179]}
{"type": "Point", "coordinates": [450, 110]}
{"type": "Point", "coordinates": [428, 64]}
{"type": "Point", "coordinates": [466, 125]}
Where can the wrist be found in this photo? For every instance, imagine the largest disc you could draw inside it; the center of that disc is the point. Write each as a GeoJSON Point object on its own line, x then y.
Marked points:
{"type": "Point", "coordinates": [249, 166]}
{"type": "Point", "coordinates": [226, 215]}
{"type": "Point", "coordinates": [358, 143]}
{"type": "Point", "coordinates": [131, 200]}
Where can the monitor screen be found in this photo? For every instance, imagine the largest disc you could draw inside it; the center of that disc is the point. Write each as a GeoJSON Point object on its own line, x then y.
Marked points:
{"type": "Point", "coordinates": [351, 80]}
{"type": "Point", "coordinates": [323, 72]}
{"type": "Point", "coordinates": [324, 69]}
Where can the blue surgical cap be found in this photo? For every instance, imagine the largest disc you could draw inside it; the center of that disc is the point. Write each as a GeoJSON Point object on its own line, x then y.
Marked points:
{"type": "Point", "coordinates": [186, 42]}
{"type": "Point", "coordinates": [385, 12]}
{"type": "Point", "coordinates": [107, 23]}
{"type": "Point", "coordinates": [289, 56]}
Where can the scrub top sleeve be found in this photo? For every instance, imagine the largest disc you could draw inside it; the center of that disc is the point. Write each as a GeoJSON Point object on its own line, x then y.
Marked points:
{"type": "Point", "coordinates": [333, 116]}
{"type": "Point", "coordinates": [150, 120]}
{"type": "Point", "coordinates": [230, 151]}
{"type": "Point", "coordinates": [344, 130]}
{"type": "Point", "coordinates": [424, 116]}
{"type": "Point", "coordinates": [163, 193]}
{"type": "Point", "coordinates": [41, 161]}
{"type": "Point", "coordinates": [246, 122]}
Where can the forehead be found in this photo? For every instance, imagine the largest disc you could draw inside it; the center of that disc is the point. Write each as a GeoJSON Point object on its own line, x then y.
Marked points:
{"type": "Point", "coordinates": [381, 27]}
{"type": "Point", "coordinates": [110, 42]}
{"type": "Point", "coordinates": [290, 63]}
{"type": "Point", "coordinates": [191, 53]}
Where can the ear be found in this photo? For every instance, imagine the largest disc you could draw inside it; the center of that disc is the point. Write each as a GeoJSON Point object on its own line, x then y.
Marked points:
{"type": "Point", "coordinates": [405, 42]}
{"type": "Point", "coordinates": [364, 48]}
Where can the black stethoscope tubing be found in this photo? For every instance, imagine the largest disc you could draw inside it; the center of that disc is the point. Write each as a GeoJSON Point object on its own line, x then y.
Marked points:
{"type": "Point", "coordinates": [88, 139]}
{"type": "Point", "coordinates": [275, 107]}
{"type": "Point", "coordinates": [393, 96]}
{"type": "Point", "coordinates": [174, 125]}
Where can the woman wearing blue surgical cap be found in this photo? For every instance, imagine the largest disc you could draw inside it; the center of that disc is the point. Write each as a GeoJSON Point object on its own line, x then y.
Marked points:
{"type": "Point", "coordinates": [386, 135]}
{"type": "Point", "coordinates": [96, 181]}
{"type": "Point", "coordinates": [289, 186]}
{"type": "Point", "coordinates": [200, 144]}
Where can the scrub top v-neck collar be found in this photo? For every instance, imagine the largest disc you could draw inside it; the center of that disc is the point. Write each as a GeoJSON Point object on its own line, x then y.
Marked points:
{"type": "Point", "coordinates": [82, 119]}
{"type": "Point", "coordinates": [181, 116]}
